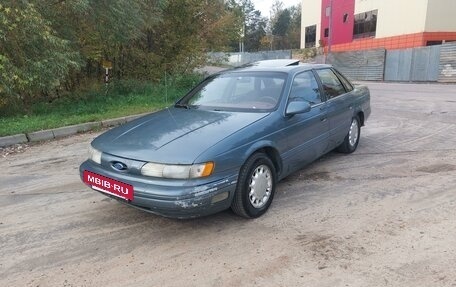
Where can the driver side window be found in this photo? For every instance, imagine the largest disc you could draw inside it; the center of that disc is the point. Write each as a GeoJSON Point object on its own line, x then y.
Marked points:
{"type": "Point", "coordinates": [305, 87]}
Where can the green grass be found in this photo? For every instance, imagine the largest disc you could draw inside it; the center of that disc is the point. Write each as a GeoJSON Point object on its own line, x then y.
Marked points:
{"type": "Point", "coordinates": [122, 99]}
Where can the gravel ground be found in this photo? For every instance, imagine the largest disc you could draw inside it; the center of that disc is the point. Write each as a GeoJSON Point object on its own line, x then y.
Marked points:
{"type": "Point", "coordinates": [383, 216]}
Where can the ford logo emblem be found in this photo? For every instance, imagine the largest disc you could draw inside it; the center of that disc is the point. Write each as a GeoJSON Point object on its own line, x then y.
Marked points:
{"type": "Point", "coordinates": [119, 166]}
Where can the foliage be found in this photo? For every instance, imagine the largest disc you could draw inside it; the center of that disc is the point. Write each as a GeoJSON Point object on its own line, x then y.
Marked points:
{"type": "Point", "coordinates": [251, 24]}
{"type": "Point", "coordinates": [191, 28]}
{"type": "Point", "coordinates": [307, 53]}
{"type": "Point", "coordinates": [285, 26]}
{"type": "Point", "coordinates": [294, 32]}
{"type": "Point", "coordinates": [52, 51]}
{"type": "Point", "coordinates": [52, 48]}
{"type": "Point", "coordinates": [34, 59]}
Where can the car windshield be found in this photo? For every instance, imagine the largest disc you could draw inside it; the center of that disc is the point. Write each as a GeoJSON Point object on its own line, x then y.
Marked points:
{"type": "Point", "coordinates": [242, 91]}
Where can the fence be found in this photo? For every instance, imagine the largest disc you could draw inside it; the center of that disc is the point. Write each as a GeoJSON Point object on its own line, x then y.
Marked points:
{"type": "Point", "coordinates": [360, 65]}
{"type": "Point", "coordinates": [426, 64]}
{"type": "Point", "coordinates": [417, 64]}
{"type": "Point", "coordinates": [238, 59]}
{"type": "Point", "coordinates": [447, 65]}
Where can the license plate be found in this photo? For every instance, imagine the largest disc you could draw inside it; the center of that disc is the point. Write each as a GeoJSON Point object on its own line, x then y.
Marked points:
{"type": "Point", "coordinates": [108, 185]}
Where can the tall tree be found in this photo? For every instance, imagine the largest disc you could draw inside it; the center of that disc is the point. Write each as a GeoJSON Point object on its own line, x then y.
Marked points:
{"type": "Point", "coordinates": [189, 29]}
{"type": "Point", "coordinates": [47, 46]}
{"type": "Point", "coordinates": [34, 60]}
{"type": "Point", "coordinates": [255, 30]}
{"type": "Point", "coordinates": [280, 29]}
{"type": "Point", "coordinates": [294, 32]}
{"type": "Point", "coordinates": [285, 26]}
{"type": "Point", "coordinates": [252, 25]}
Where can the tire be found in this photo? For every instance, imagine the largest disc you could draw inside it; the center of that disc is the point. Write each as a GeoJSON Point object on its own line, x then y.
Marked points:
{"type": "Point", "coordinates": [248, 202]}
{"type": "Point", "coordinates": [352, 138]}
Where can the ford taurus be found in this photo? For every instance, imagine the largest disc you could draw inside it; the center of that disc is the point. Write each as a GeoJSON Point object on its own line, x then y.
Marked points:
{"type": "Point", "coordinates": [229, 141]}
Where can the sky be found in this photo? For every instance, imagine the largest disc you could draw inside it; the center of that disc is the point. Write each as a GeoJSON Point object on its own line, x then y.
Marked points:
{"type": "Point", "coordinates": [265, 5]}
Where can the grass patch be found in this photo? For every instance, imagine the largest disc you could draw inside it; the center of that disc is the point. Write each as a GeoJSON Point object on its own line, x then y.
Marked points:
{"type": "Point", "coordinates": [120, 99]}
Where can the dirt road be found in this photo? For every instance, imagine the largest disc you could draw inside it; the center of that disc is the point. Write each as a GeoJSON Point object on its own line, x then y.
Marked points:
{"type": "Point", "coordinates": [383, 216]}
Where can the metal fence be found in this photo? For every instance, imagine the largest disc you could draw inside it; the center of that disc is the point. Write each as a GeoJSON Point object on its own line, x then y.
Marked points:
{"type": "Point", "coordinates": [423, 64]}
{"type": "Point", "coordinates": [416, 65]}
{"type": "Point", "coordinates": [238, 59]}
{"type": "Point", "coordinates": [428, 64]}
{"type": "Point", "coordinates": [360, 65]}
{"type": "Point", "coordinates": [447, 64]}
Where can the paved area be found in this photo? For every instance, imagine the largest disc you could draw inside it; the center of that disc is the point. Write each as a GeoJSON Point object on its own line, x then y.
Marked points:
{"type": "Point", "coordinates": [383, 216]}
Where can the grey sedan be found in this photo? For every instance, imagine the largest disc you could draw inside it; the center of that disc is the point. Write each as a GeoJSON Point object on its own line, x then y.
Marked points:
{"type": "Point", "coordinates": [229, 141]}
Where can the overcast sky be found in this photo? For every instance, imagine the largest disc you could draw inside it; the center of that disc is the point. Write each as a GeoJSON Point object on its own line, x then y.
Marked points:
{"type": "Point", "coordinates": [265, 5]}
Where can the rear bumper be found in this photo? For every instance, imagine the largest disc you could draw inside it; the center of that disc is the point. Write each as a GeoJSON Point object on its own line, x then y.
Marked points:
{"type": "Point", "coordinates": [172, 198]}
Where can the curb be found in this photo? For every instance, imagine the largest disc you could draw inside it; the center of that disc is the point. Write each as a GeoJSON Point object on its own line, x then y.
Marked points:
{"type": "Point", "coordinates": [56, 133]}
{"type": "Point", "coordinates": [14, 139]}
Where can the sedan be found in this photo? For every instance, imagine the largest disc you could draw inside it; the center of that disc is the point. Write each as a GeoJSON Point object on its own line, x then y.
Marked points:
{"type": "Point", "coordinates": [228, 142]}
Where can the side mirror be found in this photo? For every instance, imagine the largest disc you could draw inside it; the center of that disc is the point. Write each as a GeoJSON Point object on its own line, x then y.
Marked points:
{"type": "Point", "coordinates": [297, 107]}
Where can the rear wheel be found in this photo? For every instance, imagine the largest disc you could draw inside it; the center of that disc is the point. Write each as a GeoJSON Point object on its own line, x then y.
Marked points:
{"type": "Point", "coordinates": [255, 188]}
{"type": "Point", "coordinates": [352, 138]}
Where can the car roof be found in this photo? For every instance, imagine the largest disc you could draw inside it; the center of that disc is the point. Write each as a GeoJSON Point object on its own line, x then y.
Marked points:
{"type": "Point", "coordinates": [280, 65]}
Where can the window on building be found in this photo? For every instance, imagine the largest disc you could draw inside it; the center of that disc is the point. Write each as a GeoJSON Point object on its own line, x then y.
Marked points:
{"type": "Point", "coordinates": [365, 24]}
{"type": "Point", "coordinates": [433, 43]}
{"type": "Point", "coordinates": [327, 32]}
{"type": "Point", "coordinates": [345, 18]}
{"type": "Point", "coordinates": [311, 36]}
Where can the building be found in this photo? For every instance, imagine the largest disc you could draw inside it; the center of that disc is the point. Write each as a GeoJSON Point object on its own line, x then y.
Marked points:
{"type": "Point", "coordinates": [370, 24]}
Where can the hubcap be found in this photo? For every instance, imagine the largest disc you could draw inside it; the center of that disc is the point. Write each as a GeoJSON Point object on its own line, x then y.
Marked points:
{"type": "Point", "coordinates": [353, 133]}
{"type": "Point", "coordinates": [260, 186]}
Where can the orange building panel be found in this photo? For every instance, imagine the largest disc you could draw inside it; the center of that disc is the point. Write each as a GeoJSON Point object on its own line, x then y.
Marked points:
{"type": "Point", "coordinates": [396, 42]}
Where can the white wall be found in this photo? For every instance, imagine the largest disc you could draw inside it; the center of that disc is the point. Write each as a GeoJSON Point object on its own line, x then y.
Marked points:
{"type": "Point", "coordinates": [397, 17]}
{"type": "Point", "coordinates": [441, 16]}
{"type": "Point", "coordinates": [311, 15]}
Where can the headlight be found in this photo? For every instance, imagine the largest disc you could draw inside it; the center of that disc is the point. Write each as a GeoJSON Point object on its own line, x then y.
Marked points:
{"type": "Point", "coordinates": [177, 171]}
{"type": "Point", "coordinates": [95, 155]}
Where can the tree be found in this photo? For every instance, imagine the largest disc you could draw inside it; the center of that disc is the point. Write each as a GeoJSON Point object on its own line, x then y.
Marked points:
{"type": "Point", "coordinates": [34, 60]}
{"type": "Point", "coordinates": [280, 29]}
{"type": "Point", "coordinates": [255, 31]}
{"type": "Point", "coordinates": [285, 26]}
{"type": "Point", "coordinates": [190, 29]}
{"type": "Point", "coordinates": [100, 29]}
{"type": "Point", "coordinates": [251, 24]}
{"type": "Point", "coordinates": [50, 46]}
{"type": "Point", "coordinates": [294, 32]}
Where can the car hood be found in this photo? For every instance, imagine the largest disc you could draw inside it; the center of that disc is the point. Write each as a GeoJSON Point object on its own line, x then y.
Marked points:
{"type": "Point", "coordinates": [173, 135]}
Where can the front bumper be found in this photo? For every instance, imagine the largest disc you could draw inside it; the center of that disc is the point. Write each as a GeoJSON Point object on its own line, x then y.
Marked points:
{"type": "Point", "coordinates": [169, 197]}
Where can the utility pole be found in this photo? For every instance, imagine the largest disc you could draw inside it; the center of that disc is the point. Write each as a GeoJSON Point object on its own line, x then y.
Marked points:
{"type": "Point", "coordinates": [241, 38]}
{"type": "Point", "coordinates": [330, 25]}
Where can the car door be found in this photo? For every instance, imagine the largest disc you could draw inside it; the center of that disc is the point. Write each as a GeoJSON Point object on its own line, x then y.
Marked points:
{"type": "Point", "coordinates": [338, 105]}
{"type": "Point", "coordinates": [307, 133]}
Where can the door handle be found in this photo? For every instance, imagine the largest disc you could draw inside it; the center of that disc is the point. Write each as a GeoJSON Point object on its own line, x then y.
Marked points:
{"type": "Point", "coordinates": [323, 119]}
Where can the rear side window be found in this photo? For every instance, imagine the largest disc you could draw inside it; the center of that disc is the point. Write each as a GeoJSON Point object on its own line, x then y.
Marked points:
{"type": "Point", "coordinates": [305, 87]}
{"type": "Point", "coordinates": [331, 83]}
{"type": "Point", "coordinates": [348, 86]}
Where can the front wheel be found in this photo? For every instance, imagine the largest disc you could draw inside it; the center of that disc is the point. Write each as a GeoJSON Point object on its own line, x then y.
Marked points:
{"type": "Point", "coordinates": [255, 188]}
{"type": "Point", "coordinates": [352, 138]}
